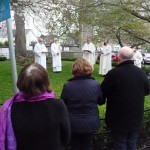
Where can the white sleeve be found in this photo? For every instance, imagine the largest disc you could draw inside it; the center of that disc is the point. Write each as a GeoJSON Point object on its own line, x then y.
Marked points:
{"type": "Point", "coordinates": [83, 48]}
{"type": "Point", "coordinates": [44, 49]}
{"type": "Point", "coordinates": [36, 49]}
{"type": "Point", "coordinates": [107, 50]}
{"type": "Point", "coordinates": [93, 49]}
{"type": "Point", "coordinates": [53, 52]}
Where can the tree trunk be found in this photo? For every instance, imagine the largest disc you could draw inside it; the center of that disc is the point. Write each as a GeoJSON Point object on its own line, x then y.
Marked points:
{"type": "Point", "coordinates": [119, 37]}
{"type": "Point", "coordinates": [20, 39]}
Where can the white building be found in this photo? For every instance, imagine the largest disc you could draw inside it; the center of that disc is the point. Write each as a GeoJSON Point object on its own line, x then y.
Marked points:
{"type": "Point", "coordinates": [30, 37]}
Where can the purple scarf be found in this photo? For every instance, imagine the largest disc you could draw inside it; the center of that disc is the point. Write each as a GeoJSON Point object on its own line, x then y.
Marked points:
{"type": "Point", "coordinates": [6, 130]}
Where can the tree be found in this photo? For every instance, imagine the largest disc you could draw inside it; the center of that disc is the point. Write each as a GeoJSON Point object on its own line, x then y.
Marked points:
{"type": "Point", "coordinates": [20, 39]}
{"type": "Point", "coordinates": [20, 8]}
{"type": "Point", "coordinates": [110, 19]}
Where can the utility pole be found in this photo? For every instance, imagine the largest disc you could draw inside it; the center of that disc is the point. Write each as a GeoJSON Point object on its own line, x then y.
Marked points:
{"type": "Point", "coordinates": [12, 54]}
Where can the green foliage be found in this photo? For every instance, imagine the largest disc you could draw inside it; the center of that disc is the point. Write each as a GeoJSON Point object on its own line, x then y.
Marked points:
{"type": "Point", "coordinates": [69, 59]}
{"type": "Point", "coordinates": [6, 43]}
{"type": "Point", "coordinates": [3, 58]}
{"type": "Point", "coordinates": [109, 18]}
{"type": "Point", "coordinates": [146, 69]}
{"type": "Point", "coordinates": [114, 63]}
{"type": "Point", "coordinates": [1, 44]}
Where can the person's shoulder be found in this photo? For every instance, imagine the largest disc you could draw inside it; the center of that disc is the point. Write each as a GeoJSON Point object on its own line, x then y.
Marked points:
{"type": "Point", "coordinates": [59, 103]}
{"type": "Point", "coordinates": [114, 71]}
{"type": "Point", "coordinates": [95, 82]}
{"type": "Point", "coordinates": [85, 44]}
{"type": "Point", "coordinates": [36, 44]}
{"type": "Point", "coordinates": [56, 101]}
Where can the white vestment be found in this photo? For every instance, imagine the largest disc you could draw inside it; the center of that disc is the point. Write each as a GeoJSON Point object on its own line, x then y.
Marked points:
{"type": "Point", "coordinates": [89, 53]}
{"type": "Point", "coordinates": [137, 58]}
{"type": "Point", "coordinates": [105, 60]}
{"type": "Point", "coordinates": [56, 57]}
{"type": "Point", "coordinates": [40, 52]}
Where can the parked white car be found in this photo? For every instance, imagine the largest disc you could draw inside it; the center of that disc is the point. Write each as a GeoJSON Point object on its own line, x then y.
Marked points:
{"type": "Point", "coordinates": [146, 58]}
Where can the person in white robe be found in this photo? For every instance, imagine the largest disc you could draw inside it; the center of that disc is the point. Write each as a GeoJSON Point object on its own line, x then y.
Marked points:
{"type": "Point", "coordinates": [89, 52]}
{"type": "Point", "coordinates": [56, 56]}
{"type": "Point", "coordinates": [137, 57]}
{"type": "Point", "coordinates": [105, 59]}
{"type": "Point", "coordinates": [40, 52]}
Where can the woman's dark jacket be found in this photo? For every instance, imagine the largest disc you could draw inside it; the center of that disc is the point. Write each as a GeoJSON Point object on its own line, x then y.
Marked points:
{"type": "Point", "coordinates": [125, 87]}
{"type": "Point", "coordinates": [81, 95]}
{"type": "Point", "coordinates": [42, 125]}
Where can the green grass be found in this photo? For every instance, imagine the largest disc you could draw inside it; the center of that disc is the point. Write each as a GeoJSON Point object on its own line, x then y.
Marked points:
{"type": "Point", "coordinates": [57, 80]}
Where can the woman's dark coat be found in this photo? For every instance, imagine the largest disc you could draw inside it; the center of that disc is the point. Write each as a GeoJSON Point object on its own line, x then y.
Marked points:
{"type": "Point", "coordinates": [42, 125]}
{"type": "Point", "coordinates": [81, 95]}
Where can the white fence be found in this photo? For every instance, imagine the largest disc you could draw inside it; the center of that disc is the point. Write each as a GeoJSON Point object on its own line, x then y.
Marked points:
{"type": "Point", "coordinates": [4, 52]}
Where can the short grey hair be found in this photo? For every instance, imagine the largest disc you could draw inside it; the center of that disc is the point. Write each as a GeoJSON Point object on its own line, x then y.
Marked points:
{"type": "Point", "coordinates": [126, 53]}
{"type": "Point", "coordinates": [124, 56]}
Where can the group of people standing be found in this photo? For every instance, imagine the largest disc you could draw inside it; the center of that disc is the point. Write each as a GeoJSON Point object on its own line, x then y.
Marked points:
{"type": "Point", "coordinates": [34, 119]}
{"type": "Point", "coordinates": [41, 51]}
{"type": "Point", "coordinates": [105, 56]}
{"type": "Point", "coordinates": [88, 49]}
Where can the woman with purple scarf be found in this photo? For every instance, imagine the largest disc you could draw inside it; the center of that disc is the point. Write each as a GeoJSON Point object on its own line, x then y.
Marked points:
{"type": "Point", "coordinates": [33, 119]}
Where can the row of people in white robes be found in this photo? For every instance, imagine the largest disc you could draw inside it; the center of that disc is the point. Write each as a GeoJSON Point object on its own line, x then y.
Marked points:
{"type": "Point", "coordinates": [40, 52]}
{"type": "Point", "coordinates": [105, 57]}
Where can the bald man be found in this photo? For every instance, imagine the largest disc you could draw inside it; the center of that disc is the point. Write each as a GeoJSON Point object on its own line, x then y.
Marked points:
{"type": "Point", "coordinates": [124, 87]}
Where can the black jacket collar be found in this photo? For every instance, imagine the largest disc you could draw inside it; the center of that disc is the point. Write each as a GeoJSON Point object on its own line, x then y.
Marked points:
{"type": "Point", "coordinates": [81, 78]}
{"type": "Point", "coordinates": [125, 63]}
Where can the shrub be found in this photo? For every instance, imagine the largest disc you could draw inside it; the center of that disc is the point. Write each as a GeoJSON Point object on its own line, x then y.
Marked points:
{"type": "Point", "coordinates": [1, 44]}
{"type": "Point", "coordinates": [146, 69]}
{"type": "Point", "coordinates": [114, 63]}
{"type": "Point", "coordinates": [3, 58]}
{"type": "Point", "coordinates": [6, 43]}
{"type": "Point", "coordinates": [69, 59]}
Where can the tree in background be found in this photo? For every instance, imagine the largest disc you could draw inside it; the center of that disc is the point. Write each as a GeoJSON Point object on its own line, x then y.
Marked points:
{"type": "Point", "coordinates": [123, 21]}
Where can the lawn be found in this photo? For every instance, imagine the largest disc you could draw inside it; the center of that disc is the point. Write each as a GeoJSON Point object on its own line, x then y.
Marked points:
{"type": "Point", "coordinates": [57, 80]}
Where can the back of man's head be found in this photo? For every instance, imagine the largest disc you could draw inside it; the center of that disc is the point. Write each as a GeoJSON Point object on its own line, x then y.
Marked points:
{"type": "Point", "coordinates": [125, 53]}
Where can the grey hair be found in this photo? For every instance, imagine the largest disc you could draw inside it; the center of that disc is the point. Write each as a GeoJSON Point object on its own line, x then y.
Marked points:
{"type": "Point", "coordinates": [126, 53]}
{"type": "Point", "coordinates": [126, 56]}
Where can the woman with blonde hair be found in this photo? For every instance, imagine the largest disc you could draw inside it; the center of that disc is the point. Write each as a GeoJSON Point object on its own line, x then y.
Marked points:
{"type": "Point", "coordinates": [81, 95]}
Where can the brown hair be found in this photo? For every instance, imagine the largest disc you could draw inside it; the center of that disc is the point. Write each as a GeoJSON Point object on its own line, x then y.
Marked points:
{"type": "Point", "coordinates": [81, 67]}
{"type": "Point", "coordinates": [33, 80]}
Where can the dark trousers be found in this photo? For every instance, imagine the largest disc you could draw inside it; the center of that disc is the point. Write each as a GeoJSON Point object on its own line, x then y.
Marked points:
{"type": "Point", "coordinates": [81, 141]}
{"type": "Point", "coordinates": [124, 140]}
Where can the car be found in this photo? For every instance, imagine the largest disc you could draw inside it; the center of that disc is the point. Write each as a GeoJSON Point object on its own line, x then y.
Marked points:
{"type": "Point", "coordinates": [146, 58]}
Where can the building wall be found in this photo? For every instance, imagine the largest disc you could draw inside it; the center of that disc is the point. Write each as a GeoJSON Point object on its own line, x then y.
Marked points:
{"type": "Point", "coordinates": [4, 52]}
{"type": "Point", "coordinates": [29, 38]}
